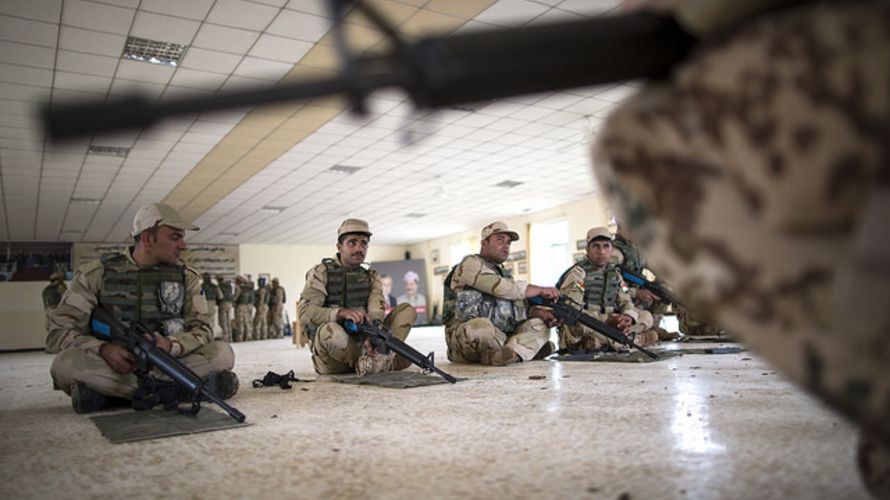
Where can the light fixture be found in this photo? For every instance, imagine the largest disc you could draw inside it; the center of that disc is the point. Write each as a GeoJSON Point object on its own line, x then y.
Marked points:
{"type": "Point", "coordinates": [508, 184]}
{"type": "Point", "coordinates": [344, 169]}
{"type": "Point", "coordinates": [87, 201]}
{"type": "Point", "coordinates": [272, 210]}
{"type": "Point", "coordinates": [415, 215]}
{"type": "Point", "coordinates": [153, 51]}
{"type": "Point", "coordinates": [96, 149]}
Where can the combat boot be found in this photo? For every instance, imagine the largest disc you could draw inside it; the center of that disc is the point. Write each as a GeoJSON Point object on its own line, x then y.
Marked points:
{"type": "Point", "coordinates": [86, 400]}
{"type": "Point", "coordinates": [500, 356]}
{"type": "Point", "coordinates": [223, 383]}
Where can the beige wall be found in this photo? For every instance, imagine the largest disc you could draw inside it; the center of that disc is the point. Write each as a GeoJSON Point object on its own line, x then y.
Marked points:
{"type": "Point", "coordinates": [22, 316]}
{"type": "Point", "coordinates": [580, 215]}
{"type": "Point", "coordinates": [289, 263]}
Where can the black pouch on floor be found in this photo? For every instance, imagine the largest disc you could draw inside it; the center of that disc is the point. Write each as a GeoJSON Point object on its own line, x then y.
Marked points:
{"type": "Point", "coordinates": [282, 381]}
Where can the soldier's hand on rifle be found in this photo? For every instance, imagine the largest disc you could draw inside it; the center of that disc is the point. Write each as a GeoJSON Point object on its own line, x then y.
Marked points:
{"type": "Point", "coordinates": [548, 292]}
{"type": "Point", "coordinates": [357, 317]}
{"type": "Point", "coordinates": [546, 315]}
{"type": "Point", "coordinates": [118, 358]}
{"type": "Point", "coordinates": [645, 295]}
{"type": "Point", "coordinates": [622, 322]}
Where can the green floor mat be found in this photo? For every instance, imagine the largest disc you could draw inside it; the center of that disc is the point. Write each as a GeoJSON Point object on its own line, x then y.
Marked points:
{"type": "Point", "coordinates": [129, 426]}
{"type": "Point", "coordinates": [393, 380]}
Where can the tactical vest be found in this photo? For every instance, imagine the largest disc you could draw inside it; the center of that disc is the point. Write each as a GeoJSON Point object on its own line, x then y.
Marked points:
{"type": "Point", "coordinates": [153, 295]}
{"type": "Point", "coordinates": [347, 287]}
{"type": "Point", "coordinates": [601, 286]}
{"type": "Point", "coordinates": [247, 296]}
{"type": "Point", "coordinates": [633, 261]}
{"type": "Point", "coordinates": [469, 303]}
{"type": "Point", "coordinates": [211, 291]}
{"type": "Point", "coordinates": [226, 292]}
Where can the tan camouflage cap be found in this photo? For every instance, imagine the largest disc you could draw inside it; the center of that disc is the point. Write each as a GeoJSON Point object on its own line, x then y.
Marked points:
{"type": "Point", "coordinates": [353, 226]}
{"type": "Point", "coordinates": [159, 214]}
{"type": "Point", "coordinates": [274, 280]}
{"type": "Point", "coordinates": [598, 232]}
{"type": "Point", "coordinates": [499, 227]}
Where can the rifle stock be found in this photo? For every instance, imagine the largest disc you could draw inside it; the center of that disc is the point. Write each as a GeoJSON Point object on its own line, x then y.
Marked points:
{"type": "Point", "coordinates": [138, 340]}
{"type": "Point", "coordinates": [383, 340]}
{"type": "Point", "coordinates": [573, 314]}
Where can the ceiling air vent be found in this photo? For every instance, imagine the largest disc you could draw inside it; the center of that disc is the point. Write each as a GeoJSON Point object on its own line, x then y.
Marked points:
{"type": "Point", "coordinates": [344, 169]}
{"type": "Point", "coordinates": [508, 184]}
{"type": "Point", "coordinates": [415, 215]}
{"type": "Point", "coordinates": [87, 201]}
{"type": "Point", "coordinates": [95, 149]}
{"type": "Point", "coordinates": [153, 51]}
{"type": "Point", "coordinates": [269, 209]}
{"type": "Point", "coordinates": [471, 107]}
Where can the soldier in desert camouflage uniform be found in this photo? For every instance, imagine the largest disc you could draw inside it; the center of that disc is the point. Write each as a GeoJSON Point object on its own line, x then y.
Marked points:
{"type": "Point", "coordinates": [485, 312]}
{"type": "Point", "coordinates": [211, 295]}
{"type": "Point", "coordinates": [341, 289]}
{"type": "Point", "coordinates": [277, 299]}
{"type": "Point", "coordinates": [146, 282]}
{"type": "Point", "coordinates": [596, 283]}
{"type": "Point", "coordinates": [224, 304]}
{"type": "Point", "coordinates": [52, 296]}
{"type": "Point", "coordinates": [261, 305]}
{"type": "Point", "coordinates": [244, 299]}
{"type": "Point", "coordinates": [757, 179]}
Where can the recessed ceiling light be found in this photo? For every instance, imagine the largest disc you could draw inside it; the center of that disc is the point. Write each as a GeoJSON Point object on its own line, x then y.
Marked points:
{"type": "Point", "coordinates": [96, 149]}
{"type": "Point", "coordinates": [86, 201]}
{"type": "Point", "coordinates": [415, 215]}
{"type": "Point", "coordinates": [228, 234]}
{"type": "Point", "coordinates": [153, 51]}
{"type": "Point", "coordinates": [344, 169]}
{"type": "Point", "coordinates": [508, 184]}
{"type": "Point", "coordinates": [272, 210]}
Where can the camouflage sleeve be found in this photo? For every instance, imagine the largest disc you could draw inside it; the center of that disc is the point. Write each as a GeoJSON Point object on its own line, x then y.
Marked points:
{"type": "Point", "coordinates": [312, 310]}
{"type": "Point", "coordinates": [69, 322]}
{"type": "Point", "coordinates": [473, 273]}
{"type": "Point", "coordinates": [376, 304]}
{"type": "Point", "coordinates": [195, 313]}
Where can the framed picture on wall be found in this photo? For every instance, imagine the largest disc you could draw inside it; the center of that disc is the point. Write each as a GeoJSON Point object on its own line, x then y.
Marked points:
{"type": "Point", "coordinates": [522, 267]}
{"type": "Point", "coordinates": [404, 281]}
{"type": "Point", "coordinates": [263, 279]}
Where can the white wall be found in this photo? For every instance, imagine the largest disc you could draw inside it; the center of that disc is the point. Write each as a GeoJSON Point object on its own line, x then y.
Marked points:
{"type": "Point", "coordinates": [21, 315]}
{"type": "Point", "coordinates": [580, 215]}
{"type": "Point", "coordinates": [289, 263]}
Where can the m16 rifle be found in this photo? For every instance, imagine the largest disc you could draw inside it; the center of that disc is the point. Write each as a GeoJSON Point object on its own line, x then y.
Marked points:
{"type": "Point", "coordinates": [383, 341]}
{"type": "Point", "coordinates": [141, 342]}
{"type": "Point", "coordinates": [662, 293]}
{"type": "Point", "coordinates": [571, 312]}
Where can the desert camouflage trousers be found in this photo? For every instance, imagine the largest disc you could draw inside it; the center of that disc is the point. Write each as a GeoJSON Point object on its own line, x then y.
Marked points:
{"type": "Point", "coordinates": [335, 351]}
{"type": "Point", "coordinates": [691, 324]}
{"type": "Point", "coordinates": [468, 340]}
{"type": "Point", "coordinates": [225, 320]}
{"type": "Point", "coordinates": [212, 313]}
{"type": "Point", "coordinates": [276, 321]}
{"type": "Point", "coordinates": [81, 365]}
{"type": "Point", "coordinates": [52, 344]}
{"type": "Point", "coordinates": [261, 322]}
{"type": "Point", "coordinates": [243, 322]}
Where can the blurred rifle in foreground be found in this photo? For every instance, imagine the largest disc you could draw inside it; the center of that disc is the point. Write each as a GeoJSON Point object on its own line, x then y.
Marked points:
{"type": "Point", "coordinates": [435, 71]}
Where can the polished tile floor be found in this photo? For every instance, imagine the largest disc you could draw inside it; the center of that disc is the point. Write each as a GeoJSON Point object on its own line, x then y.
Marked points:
{"type": "Point", "coordinates": [695, 426]}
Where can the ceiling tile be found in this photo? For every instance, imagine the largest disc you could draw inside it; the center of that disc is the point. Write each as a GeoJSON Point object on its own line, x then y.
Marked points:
{"type": "Point", "coordinates": [164, 28]}
{"type": "Point", "coordinates": [317, 7]}
{"type": "Point", "coordinates": [23, 92]}
{"type": "Point", "coordinates": [92, 42]}
{"type": "Point", "coordinates": [241, 14]}
{"type": "Point", "coordinates": [299, 25]}
{"type": "Point", "coordinates": [185, 77]}
{"type": "Point", "coordinates": [46, 10]}
{"type": "Point", "coordinates": [280, 48]}
{"type": "Point", "coordinates": [192, 9]}
{"type": "Point", "coordinates": [589, 7]}
{"type": "Point", "coordinates": [26, 55]}
{"type": "Point", "coordinates": [208, 60]}
{"type": "Point", "coordinates": [95, 16]}
{"type": "Point", "coordinates": [262, 69]}
{"type": "Point", "coordinates": [90, 64]}
{"type": "Point", "coordinates": [25, 76]}
{"type": "Point", "coordinates": [30, 32]}
{"type": "Point", "coordinates": [225, 39]}
{"type": "Point", "coordinates": [144, 72]}
{"type": "Point", "coordinates": [511, 12]}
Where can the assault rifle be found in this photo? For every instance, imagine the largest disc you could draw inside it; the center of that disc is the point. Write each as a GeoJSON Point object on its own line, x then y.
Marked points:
{"type": "Point", "coordinates": [383, 340]}
{"type": "Point", "coordinates": [662, 293]}
{"type": "Point", "coordinates": [434, 71]}
{"type": "Point", "coordinates": [570, 312]}
{"type": "Point", "coordinates": [142, 343]}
